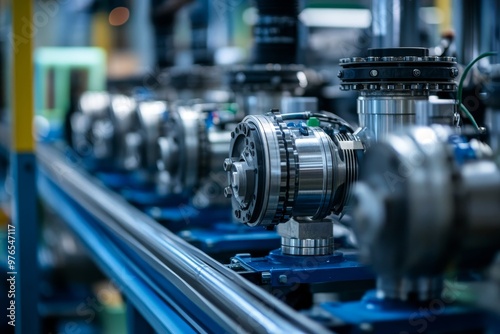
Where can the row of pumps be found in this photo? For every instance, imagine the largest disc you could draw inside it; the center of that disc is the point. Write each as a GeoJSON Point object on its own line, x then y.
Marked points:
{"type": "Point", "coordinates": [421, 197]}
{"type": "Point", "coordinates": [415, 183]}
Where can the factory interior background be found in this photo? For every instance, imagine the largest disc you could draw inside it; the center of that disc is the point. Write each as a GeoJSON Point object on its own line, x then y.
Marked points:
{"type": "Point", "coordinates": [249, 166]}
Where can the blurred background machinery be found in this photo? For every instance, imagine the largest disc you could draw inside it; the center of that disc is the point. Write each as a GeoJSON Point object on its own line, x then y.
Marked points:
{"type": "Point", "coordinates": [255, 166]}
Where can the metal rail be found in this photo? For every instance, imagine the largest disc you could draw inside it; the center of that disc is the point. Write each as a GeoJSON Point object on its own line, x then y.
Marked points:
{"type": "Point", "coordinates": [234, 303]}
{"type": "Point", "coordinates": [116, 266]}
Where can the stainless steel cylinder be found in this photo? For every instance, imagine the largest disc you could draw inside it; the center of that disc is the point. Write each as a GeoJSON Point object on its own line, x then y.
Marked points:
{"type": "Point", "coordinates": [395, 23]}
{"type": "Point", "coordinates": [306, 237]}
{"type": "Point", "coordinates": [190, 152]}
{"type": "Point", "coordinates": [436, 111]}
{"type": "Point", "coordinates": [386, 114]}
{"type": "Point", "coordinates": [427, 199]}
{"type": "Point", "coordinates": [151, 115]}
{"type": "Point", "coordinates": [392, 81]}
{"type": "Point", "coordinates": [100, 128]}
{"type": "Point", "coordinates": [314, 174]}
{"type": "Point", "coordinates": [212, 178]}
{"type": "Point", "coordinates": [409, 289]}
{"type": "Point", "coordinates": [480, 186]}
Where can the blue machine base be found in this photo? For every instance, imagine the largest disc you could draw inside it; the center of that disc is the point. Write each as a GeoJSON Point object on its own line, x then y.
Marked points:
{"type": "Point", "coordinates": [305, 269]}
{"type": "Point", "coordinates": [120, 180]}
{"type": "Point", "coordinates": [147, 196]}
{"type": "Point", "coordinates": [396, 317]}
{"type": "Point", "coordinates": [174, 210]}
{"type": "Point", "coordinates": [184, 216]}
{"type": "Point", "coordinates": [233, 238]}
{"type": "Point", "coordinates": [205, 228]}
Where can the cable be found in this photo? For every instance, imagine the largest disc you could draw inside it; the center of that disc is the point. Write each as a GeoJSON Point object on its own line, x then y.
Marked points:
{"type": "Point", "coordinates": [469, 115]}
{"type": "Point", "coordinates": [466, 71]}
{"type": "Point", "coordinates": [461, 85]}
{"type": "Point", "coordinates": [330, 117]}
{"type": "Point", "coordinates": [325, 116]}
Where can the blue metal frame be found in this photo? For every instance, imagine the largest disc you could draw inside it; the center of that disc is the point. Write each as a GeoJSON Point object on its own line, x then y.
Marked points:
{"type": "Point", "coordinates": [305, 269]}
{"type": "Point", "coordinates": [25, 268]}
{"type": "Point", "coordinates": [394, 317]}
{"type": "Point", "coordinates": [231, 238]}
{"type": "Point", "coordinates": [136, 322]}
{"type": "Point", "coordinates": [114, 263]}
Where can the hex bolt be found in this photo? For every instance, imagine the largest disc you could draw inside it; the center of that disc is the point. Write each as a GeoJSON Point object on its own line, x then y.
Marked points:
{"type": "Point", "coordinates": [454, 72]}
{"type": "Point", "coordinates": [416, 72]}
{"type": "Point", "coordinates": [283, 279]}
{"type": "Point", "coordinates": [228, 192]}
{"type": "Point", "coordinates": [228, 163]}
{"type": "Point", "coordinates": [266, 277]}
{"type": "Point", "coordinates": [340, 74]}
{"type": "Point", "coordinates": [235, 264]}
{"type": "Point", "coordinates": [373, 73]}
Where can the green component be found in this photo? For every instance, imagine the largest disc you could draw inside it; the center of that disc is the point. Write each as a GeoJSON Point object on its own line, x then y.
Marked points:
{"type": "Point", "coordinates": [63, 73]}
{"type": "Point", "coordinates": [114, 319]}
{"type": "Point", "coordinates": [313, 121]}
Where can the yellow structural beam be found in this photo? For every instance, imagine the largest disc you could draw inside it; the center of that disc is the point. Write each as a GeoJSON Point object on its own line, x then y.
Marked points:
{"type": "Point", "coordinates": [445, 7]}
{"type": "Point", "coordinates": [4, 218]}
{"type": "Point", "coordinates": [22, 56]}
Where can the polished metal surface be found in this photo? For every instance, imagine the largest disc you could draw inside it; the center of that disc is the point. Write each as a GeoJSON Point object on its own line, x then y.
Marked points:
{"type": "Point", "coordinates": [393, 83]}
{"type": "Point", "coordinates": [190, 153]}
{"type": "Point", "coordinates": [212, 178]}
{"type": "Point", "coordinates": [179, 148]}
{"type": "Point", "coordinates": [241, 166]}
{"type": "Point", "coordinates": [103, 130]}
{"type": "Point", "coordinates": [479, 204]}
{"type": "Point", "coordinates": [424, 203]}
{"type": "Point", "coordinates": [409, 289]}
{"type": "Point", "coordinates": [95, 103]}
{"type": "Point", "coordinates": [90, 128]}
{"type": "Point", "coordinates": [151, 115]}
{"type": "Point", "coordinates": [219, 146]}
{"type": "Point", "coordinates": [386, 114]}
{"type": "Point", "coordinates": [278, 170]}
{"type": "Point", "coordinates": [395, 23]}
{"type": "Point", "coordinates": [393, 243]}
{"type": "Point", "coordinates": [306, 237]}
{"type": "Point", "coordinates": [315, 172]}
{"type": "Point", "coordinates": [469, 29]}
{"type": "Point", "coordinates": [436, 111]}
{"type": "Point", "coordinates": [189, 136]}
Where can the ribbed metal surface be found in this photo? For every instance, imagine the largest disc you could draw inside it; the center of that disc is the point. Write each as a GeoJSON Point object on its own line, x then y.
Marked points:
{"type": "Point", "coordinates": [306, 247]}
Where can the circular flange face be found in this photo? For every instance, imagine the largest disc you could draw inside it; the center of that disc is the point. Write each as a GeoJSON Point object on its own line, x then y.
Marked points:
{"type": "Point", "coordinates": [277, 171]}
{"type": "Point", "coordinates": [255, 170]}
